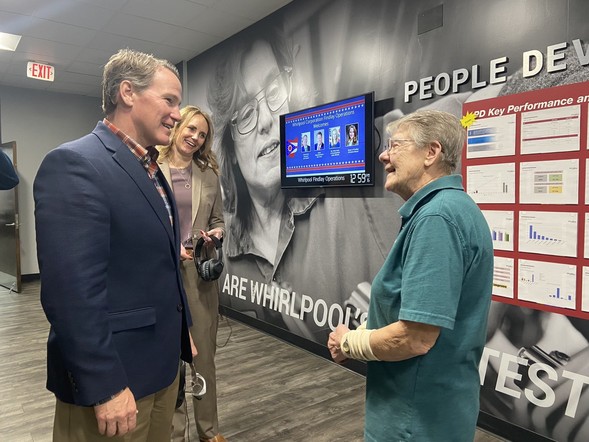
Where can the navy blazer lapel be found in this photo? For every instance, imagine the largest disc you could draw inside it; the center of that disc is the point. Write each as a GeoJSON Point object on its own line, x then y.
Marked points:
{"type": "Point", "coordinates": [128, 162]}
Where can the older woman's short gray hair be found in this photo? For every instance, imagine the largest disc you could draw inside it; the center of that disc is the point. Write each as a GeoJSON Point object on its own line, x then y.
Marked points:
{"type": "Point", "coordinates": [134, 66]}
{"type": "Point", "coordinates": [425, 126]}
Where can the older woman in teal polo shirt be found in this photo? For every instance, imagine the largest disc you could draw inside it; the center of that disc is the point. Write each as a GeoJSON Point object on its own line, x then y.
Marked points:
{"type": "Point", "coordinates": [429, 303]}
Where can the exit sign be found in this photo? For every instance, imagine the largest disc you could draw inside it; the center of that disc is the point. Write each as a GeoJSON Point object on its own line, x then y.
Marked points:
{"type": "Point", "coordinates": [40, 71]}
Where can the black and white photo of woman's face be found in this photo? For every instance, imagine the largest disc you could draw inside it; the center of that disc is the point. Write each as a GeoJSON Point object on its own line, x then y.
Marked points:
{"type": "Point", "coordinates": [257, 152]}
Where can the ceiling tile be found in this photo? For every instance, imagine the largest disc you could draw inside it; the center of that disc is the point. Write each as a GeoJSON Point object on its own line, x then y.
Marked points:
{"type": "Point", "coordinates": [18, 68]}
{"type": "Point", "coordinates": [15, 23]}
{"type": "Point", "coordinates": [72, 77]}
{"type": "Point", "coordinates": [181, 13]}
{"type": "Point", "coordinates": [27, 7]}
{"type": "Point", "coordinates": [190, 40]}
{"type": "Point", "coordinates": [95, 56]}
{"type": "Point", "coordinates": [219, 23]}
{"type": "Point", "coordinates": [60, 32]}
{"type": "Point", "coordinates": [203, 2]}
{"type": "Point", "coordinates": [24, 57]}
{"type": "Point", "coordinates": [76, 14]}
{"type": "Point", "coordinates": [139, 28]}
{"type": "Point", "coordinates": [5, 60]}
{"type": "Point", "coordinates": [80, 67]}
{"type": "Point", "coordinates": [47, 50]}
{"type": "Point", "coordinates": [115, 5]}
{"type": "Point", "coordinates": [78, 37]}
{"type": "Point", "coordinates": [252, 9]}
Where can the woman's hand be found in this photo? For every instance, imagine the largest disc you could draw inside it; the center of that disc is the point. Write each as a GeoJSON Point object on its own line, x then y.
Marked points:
{"type": "Point", "coordinates": [217, 232]}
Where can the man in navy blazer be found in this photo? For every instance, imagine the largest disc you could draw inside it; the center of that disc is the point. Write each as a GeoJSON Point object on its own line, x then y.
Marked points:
{"type": "Point", "coordinates": [108, 247]}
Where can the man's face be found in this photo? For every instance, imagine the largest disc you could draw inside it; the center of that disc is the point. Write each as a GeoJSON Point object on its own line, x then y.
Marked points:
{"type": "Point", "coordinates": [319, 138]}
{"type": "Point", "coordinates": [157, 109]}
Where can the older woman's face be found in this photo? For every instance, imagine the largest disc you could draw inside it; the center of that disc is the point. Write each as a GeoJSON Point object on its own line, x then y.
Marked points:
{"type": "Point", "coordinates": [404, 165]}
{"type": "Point", "coordinates": [257, 153]}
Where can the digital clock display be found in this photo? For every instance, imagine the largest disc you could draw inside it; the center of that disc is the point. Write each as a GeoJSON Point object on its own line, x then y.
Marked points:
{"type": "Point", "coordinates": [360, 178]}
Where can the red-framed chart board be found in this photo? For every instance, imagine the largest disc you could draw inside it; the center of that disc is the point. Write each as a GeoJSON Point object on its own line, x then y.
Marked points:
{"type": "Point", "coordinates": [525, 165]}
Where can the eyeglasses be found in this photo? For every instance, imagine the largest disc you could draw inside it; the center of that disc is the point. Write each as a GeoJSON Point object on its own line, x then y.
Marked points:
{"type": "Point", "coordinates": [394, 144]}
{"type": "Point", "coordinates": [276, 94]}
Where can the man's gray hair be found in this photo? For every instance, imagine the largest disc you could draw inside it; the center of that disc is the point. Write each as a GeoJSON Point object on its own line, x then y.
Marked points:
{"type": "Point", "coordinates": [137, 67]}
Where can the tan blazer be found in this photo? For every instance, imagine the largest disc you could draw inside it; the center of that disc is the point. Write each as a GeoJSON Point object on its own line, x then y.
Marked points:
{"type": "Point", "coordinates": [207, 212]}
{"type": "Point", "coordinates": [207, 206]}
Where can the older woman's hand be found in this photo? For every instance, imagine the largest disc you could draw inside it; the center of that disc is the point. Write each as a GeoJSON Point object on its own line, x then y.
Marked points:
{"type": "Point", "coordinates": [334, 343]}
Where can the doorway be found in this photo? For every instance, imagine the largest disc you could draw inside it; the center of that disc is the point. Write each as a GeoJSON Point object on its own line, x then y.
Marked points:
{"type": "Point", "coordinates": [10, 271]}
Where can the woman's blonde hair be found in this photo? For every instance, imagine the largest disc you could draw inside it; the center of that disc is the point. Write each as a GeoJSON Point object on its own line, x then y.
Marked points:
{"type": "Point", "coordinates": [204, 157]}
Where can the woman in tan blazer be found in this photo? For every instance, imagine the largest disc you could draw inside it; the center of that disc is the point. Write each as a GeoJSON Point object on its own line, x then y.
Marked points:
{"type": "Point", "coordinates": [192, 171]}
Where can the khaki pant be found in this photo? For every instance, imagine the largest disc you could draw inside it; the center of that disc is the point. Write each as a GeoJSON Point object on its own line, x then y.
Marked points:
{"type": "Point", "coordinates": [203, 301]}
{"type": "Point", "coordinates": [154, 420]}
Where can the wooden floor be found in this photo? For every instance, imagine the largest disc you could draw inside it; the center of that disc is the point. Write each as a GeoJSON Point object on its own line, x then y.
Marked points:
{"type": "Point", "coordinates": [268, 390]}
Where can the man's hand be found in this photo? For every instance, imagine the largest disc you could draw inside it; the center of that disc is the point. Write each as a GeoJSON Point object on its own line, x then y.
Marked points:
{"type": "Point", "coordinates": [117, 416]}
{"type": "Point", "coordinates": [334, 343]}
{"type": "Point", "coordinates": [192, 345]}
{"type": "Point", "coordinates": [184, 255]}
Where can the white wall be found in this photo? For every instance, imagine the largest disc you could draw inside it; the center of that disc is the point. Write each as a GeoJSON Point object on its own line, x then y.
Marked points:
{"type": "Point", "coordinates": [39, 121]}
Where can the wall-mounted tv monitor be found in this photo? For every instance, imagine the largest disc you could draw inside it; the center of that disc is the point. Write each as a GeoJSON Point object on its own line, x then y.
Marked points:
{"type": "Point", "coordinates": [329, 145]}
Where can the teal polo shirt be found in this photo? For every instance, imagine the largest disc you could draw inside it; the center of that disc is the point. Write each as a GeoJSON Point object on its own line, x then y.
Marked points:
{"type": "Point", "coordinates": [439, 272]}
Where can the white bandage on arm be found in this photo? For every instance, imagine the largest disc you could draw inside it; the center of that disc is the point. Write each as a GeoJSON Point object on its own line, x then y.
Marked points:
{"type": "Point", "coordinates": [356, 345]}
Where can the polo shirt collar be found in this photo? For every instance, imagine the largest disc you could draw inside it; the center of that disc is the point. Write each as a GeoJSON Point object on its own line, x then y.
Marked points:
{"type": "Point", "coordinates": [446, 182]}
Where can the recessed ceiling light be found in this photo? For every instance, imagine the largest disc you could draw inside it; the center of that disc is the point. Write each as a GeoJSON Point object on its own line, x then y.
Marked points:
{"type": "Point", "coordinates": [9, 42]}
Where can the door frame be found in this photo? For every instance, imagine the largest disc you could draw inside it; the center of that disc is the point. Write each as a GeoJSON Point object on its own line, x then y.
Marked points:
{"type": "Point", "coordinates": [17, 287]}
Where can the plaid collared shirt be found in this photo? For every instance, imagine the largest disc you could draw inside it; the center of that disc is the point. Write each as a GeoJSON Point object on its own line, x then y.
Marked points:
{"type": "Point", "coordinates": [147, 157]}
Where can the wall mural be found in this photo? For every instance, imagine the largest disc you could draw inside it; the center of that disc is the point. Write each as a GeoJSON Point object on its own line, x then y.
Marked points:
{"type": "Point", "coordinates": [303, 260]}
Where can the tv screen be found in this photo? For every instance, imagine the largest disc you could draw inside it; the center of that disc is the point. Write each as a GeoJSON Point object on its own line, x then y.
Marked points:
{"type": "Point", "coordinates": [329, 145]}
